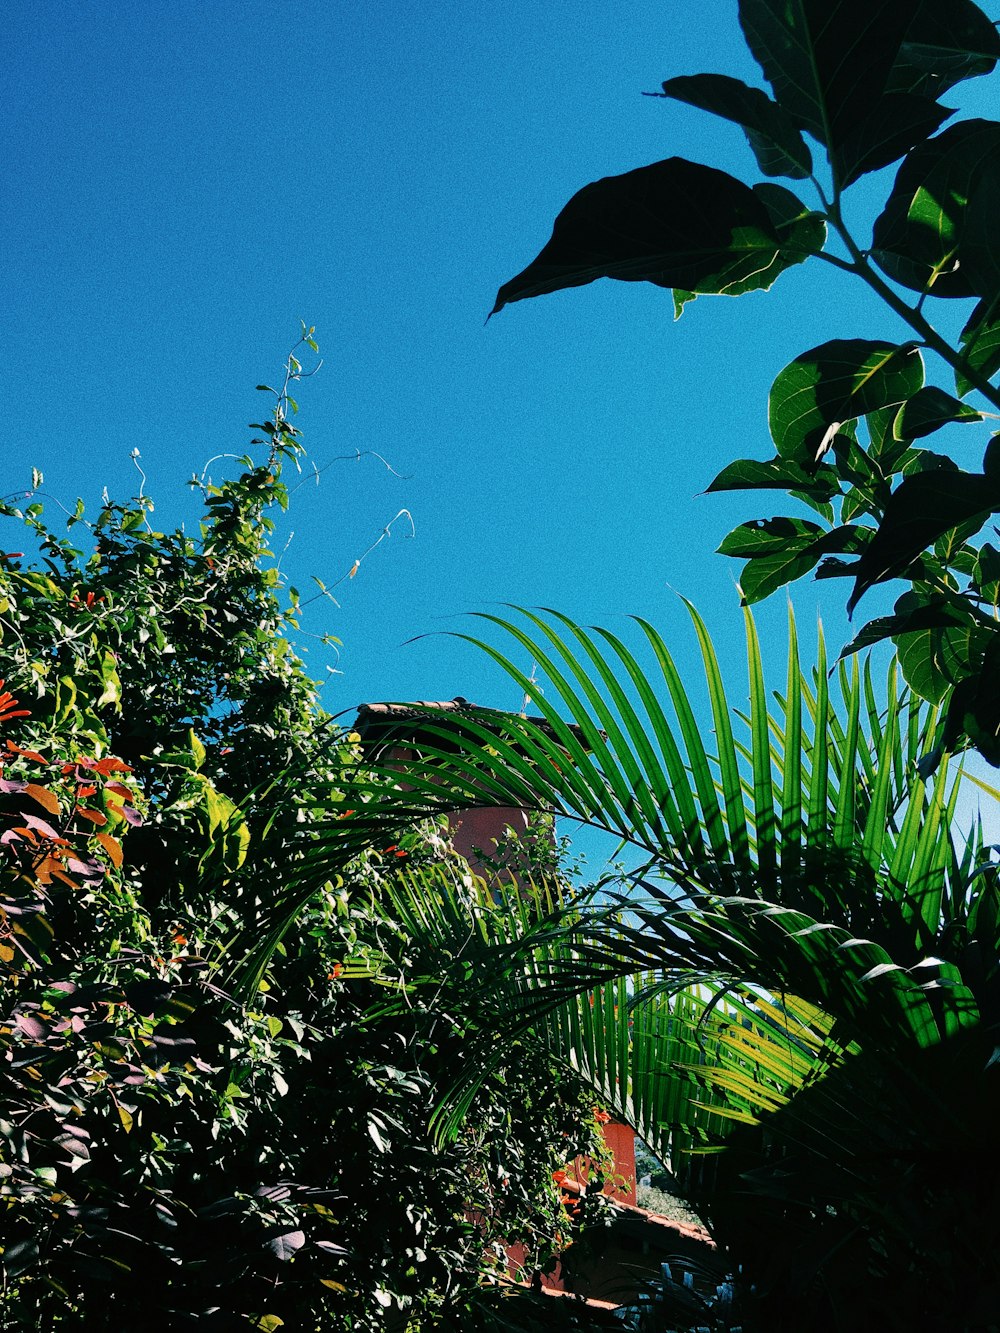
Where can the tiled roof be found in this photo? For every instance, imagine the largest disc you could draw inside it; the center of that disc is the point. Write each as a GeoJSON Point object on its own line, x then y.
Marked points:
{"type": "Point", "coordinates": [381, 722]}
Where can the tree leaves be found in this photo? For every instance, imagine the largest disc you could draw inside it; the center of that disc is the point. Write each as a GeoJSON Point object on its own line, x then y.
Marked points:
{"type": "Point", "coordinates": [780, 474]}
{"type": "Point", "coordinates": [921, 508]}
{"type": "Point", "coordinates": [777, 144]}
{"type": "Point", "coordinates": [919, 238]}
{"type": "Point", "coordinates": [780, 550]}
{"type": "Point", "coordinates": [980, 345]}
{"type": "Point", "coordinates": [927, 411]}
{"type": "Point", "coordinates": [979, 253]}
{"type": "Point", "coordinates": [674, 223]}
{"type": "Point", "coordinates": [947, 41]}
{"type": "Point", "coordinates": [833, 384]}
{"type": "Point", "coordinates": [830, 66]}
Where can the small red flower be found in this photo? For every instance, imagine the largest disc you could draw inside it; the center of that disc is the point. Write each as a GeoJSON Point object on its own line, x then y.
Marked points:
{"type": "Point", "coordinates": [8, 706]}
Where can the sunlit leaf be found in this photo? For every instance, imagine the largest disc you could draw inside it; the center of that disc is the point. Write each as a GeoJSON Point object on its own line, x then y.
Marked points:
{"type": "Point", "coordinates": [928, 410]}
{"type": "Point", "coordinates": [918, 237]}
{"type": "Point", "coordinates": [833, 384]}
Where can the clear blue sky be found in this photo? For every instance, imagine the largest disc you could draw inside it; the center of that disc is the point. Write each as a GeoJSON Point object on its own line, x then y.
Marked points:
{"type": "Point", "coordinates": [186, 181]}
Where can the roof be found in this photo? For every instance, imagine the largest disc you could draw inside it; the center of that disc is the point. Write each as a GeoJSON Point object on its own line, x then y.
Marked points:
{"type": "Point", "coordinates": [386, 724]}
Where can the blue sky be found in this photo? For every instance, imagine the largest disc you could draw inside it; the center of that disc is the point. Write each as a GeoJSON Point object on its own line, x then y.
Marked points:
{"type": "Point", "coordinates": [187, 181]}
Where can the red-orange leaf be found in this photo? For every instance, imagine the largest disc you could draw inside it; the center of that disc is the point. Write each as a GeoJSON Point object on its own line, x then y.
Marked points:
{"type": "Point", "coordinates": [112, 846]}
{"type": "Point", "coordinates": [26, 754]}
{"type": "Point", "coordinates": [94, 816]}
{"type": "Point", "coordinates": [48, 800]}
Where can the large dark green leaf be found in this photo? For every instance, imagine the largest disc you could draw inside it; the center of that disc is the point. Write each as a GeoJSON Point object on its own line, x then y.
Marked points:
{"type": "Point", "coordinates": [890, 129]}
{"type": "Point", "coordinates": [778, 146]}
{"type": "Point", "coordinates": [918, 238]}
{"type": "Point", "coordinates": [781, 550]}
{"type": "Point", "coordinates": [948, 41]}
{"type": "Point", "coordinates": [974, 709]}
{"type": "Point", "coordinates": [829, 66]}
{"type": "Point", "coordinates": [835, 383]}
{"type": "Point", "coordinates": [801, 231]}
{"type": "Point", "coordinates": [927, 411]}
{"type": "Point", "coordinates": [909, 617]}
{"type": "Point", "coordinates": [776, 474]}
{"type": "Point", "coordinates": [980, 344]}
{"type": "Point", "coordinates": [979, 251]}
{"type": "Point", "coordinates": [921, 509]}
{"type": "Point", "coordinates": [768, 535]}
{"type": "Point", "coordinates": [674, 223]}
{"type": "Point", "coordinates": [936, 658]}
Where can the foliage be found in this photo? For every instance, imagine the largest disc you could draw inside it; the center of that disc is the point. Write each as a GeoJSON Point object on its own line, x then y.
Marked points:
{"type": "Point", "coordinates": [172, 1152]}
{"type": "Point", "coordinates": [849, 417]}
{"type": "Point", "coordinates": [803, 973]}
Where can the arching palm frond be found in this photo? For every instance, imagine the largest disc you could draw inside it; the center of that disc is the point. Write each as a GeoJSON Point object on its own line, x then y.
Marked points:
{"type": "Point", "coordinates": [809, 956]}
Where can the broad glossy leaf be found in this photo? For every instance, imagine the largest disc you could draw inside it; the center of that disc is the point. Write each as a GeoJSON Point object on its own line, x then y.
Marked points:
{"type": "Point", "coordinates": [674, 223]}
{"type": "Point", "coordinates": [980, 344]}
{"type": "Point", "coordinates": [891, 128]}
{"type": "Point", "coordinates": [906, 619]}
{"type": "Point", "coordinates": [801, 231]}
{"type": "Point", "coordinates": [917, 239]}
{"type": "Point", "coordinates": [829, 67]}
{"type": "Point", "coordinates": [974, 709]}
{"type": "Point", "coordinates": [776, 474]}
{"type": "Point", "coordinates": [921, 508]}
{"type": "Point", "coordinates": [979, 250]}
{"type": "Point", "coordinates": [782, 560]}
{"type": "Point", "coordinates": [928, 410]}
{"type": "Point", "coordinates": [934, 659]}
{"type": "Point", "coordinates": [835, 383]}
{"type": "Point", "coordinates": [778, 146]}
{"type": "Point", "coordinates": [768, 535]}
{"type": "Point", "coordinates": [765, 574]}
{"type": "Point", "coordinates": [948, 41]}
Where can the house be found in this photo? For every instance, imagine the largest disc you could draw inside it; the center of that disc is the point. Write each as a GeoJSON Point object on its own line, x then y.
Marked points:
{"type": "Point", "coordinates": [613, 1265]}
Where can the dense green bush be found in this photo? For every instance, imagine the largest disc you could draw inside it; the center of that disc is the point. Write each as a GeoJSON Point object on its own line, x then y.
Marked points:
{"type": "Point", "coordinates": [170, 1151]}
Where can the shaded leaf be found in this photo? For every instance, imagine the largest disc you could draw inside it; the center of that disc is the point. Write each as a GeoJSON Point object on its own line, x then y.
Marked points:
{"type": "Point", "coordinates": [980, 344]}
{"type": "Point", "coordinates": [917, 239]}
{"type": "Point", "coordinates": [801, 231]}
{"type": "Point", "coordinates": [285, 1246]}
{"type": "Point", "coordinates": [777, 144]}
{"type": "Point", "coordinates": [935, 658]}
{"type": "Point", "coordinates": [921, 508]}
{"type": "Point", "coordinates": [748, 474]}
{"type": "Point", "coordinates": [829, 67]}
{"type": "Point", "coordinates": [891, 128]}
{"type": "Point", "coordinates": [833, 384]}
{"type": "Point", "coordinates": [974, 708]}
{"type": "Point", "coordinates": [938, 614]}
{"type": "Point", "coordinates": [674, 223]}
{"type": "Point", "coordinates": [947, 41]}
{"type": "Point", "coordinates": [785, 560]}
{"type": "Point", "coordinates": [927, 411]}
{"type": "Point", "coordinates": [979, 253]}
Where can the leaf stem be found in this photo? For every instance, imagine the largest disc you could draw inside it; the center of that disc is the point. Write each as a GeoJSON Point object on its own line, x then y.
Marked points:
{"type": "Point", "coordinates": [913, 316]}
